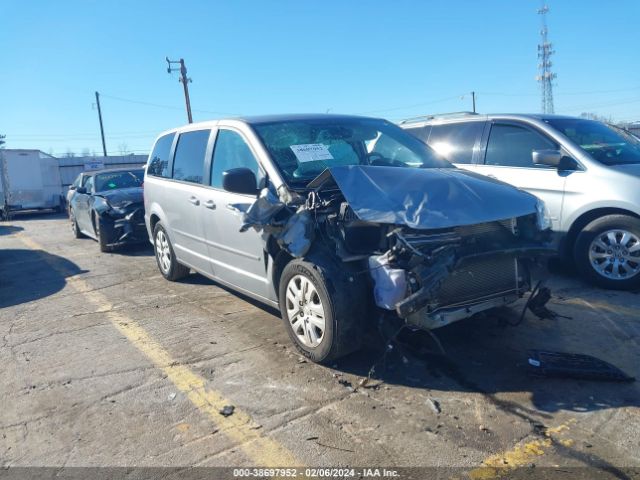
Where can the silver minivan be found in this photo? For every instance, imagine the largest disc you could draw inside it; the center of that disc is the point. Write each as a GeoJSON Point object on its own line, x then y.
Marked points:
{"type": "Point", "coordinates": [586, 172]}
{"type": "Point", "coordinates": [341, 222]}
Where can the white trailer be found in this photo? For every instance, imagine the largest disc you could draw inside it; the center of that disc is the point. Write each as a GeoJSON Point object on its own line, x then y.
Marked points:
{"type": "Point", "coordinates": [30, 180]}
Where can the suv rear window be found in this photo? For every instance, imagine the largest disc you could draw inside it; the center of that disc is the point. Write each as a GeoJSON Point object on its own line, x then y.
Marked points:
{"type": "Point", "coordinates": [456, 141]}
{"type": "Point", "coordinates": [159, 158]}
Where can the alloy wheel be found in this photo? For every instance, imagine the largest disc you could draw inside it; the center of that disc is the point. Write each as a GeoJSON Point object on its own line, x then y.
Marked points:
{"type": "Point", "coordinates": [615, 254]}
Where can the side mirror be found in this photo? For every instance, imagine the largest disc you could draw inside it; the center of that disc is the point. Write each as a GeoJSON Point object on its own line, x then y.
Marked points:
{"type": "Point", "coordinates": [240, 180]}
{"type": "Point", "coordinates": [547, 157]}
{"type": "Point", "coordinates": [81, 190]}
{"type": "Point", "coordinates": [72, 187]}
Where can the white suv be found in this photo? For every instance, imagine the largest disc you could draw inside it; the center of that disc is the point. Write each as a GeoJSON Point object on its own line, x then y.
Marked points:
{"type": "Point", "coordinates": [586, 172]}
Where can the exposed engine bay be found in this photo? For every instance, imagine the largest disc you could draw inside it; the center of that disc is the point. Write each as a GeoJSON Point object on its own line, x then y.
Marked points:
{"type": "Point", "coordinates": [427, 262]}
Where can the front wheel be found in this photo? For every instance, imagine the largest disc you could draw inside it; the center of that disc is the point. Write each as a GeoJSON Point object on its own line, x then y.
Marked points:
{"type": "Point", "coordinates": [102, 240]}
{"type": "Point", "coordinates": [74, 224]}
{"type": "Point", "coordinates": [321, 310]}
{"type": "Point", "coordinates": [607, 252]}
{"type": "Point", "coordinates": [165, 257]}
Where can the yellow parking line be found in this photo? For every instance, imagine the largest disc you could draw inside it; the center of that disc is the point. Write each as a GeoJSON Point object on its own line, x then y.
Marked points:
{"type": "Point", "coordinates": [239, 427]}
{"type": "Point", "coordinates": [496, 466]}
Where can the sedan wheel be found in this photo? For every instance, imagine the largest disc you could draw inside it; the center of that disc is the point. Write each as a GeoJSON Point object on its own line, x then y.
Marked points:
{"type": "Point", "coordinates": [74, 225]}
{"type": "Point", "coordinates": [305, 311]}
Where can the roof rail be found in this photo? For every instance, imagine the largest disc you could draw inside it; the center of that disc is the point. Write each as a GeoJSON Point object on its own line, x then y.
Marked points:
{"type": "Point", "coordinates": [437, 115]}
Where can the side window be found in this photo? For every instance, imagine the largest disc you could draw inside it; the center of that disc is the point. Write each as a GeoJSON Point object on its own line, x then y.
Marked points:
{"type": "Point", "coordinates": [159, 158]}
{"type": "Point", "coordinates": [420, 132]}
{"type": "Point", "coordinates": [188, 164]}
{"type": "Point", "coordinates": [231, 151]}
{"type": "Point", "coordinates": [511, 146]}
{"type": "Point", "coordinates": [85, 180]}
{"type": "Point", "coordinates": [76, 182]}
{"type": "Point", "coordinates": [455, 141]}
{"type": "Point", "coordinates": [89, 185]}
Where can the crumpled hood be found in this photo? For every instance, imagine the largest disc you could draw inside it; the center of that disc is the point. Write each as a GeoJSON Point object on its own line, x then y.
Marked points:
{"type": "Point", "coordinates": [122, 196]}
{"type": "Point", "coordinates": [428, 198]}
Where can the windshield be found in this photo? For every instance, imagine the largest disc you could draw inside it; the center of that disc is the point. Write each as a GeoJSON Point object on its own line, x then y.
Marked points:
{"type": "Point", "coordinates": [302, 149]}
{"type": "Point", "coordinates": [605, 144]}
{"type": "Point", "coordinates": [116, 180]}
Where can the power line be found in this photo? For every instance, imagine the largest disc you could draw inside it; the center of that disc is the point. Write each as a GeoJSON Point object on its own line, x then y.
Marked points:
{"type": "Point", "coordinates": [158, 105]}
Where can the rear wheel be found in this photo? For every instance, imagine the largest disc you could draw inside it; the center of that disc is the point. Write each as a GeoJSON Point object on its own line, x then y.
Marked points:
{"type": "Point", "coordinates": [321, 309]}
{"type": "Point", "coordinates": [607, 252]}
{"type": "Point", "coordinates": [165, 258]}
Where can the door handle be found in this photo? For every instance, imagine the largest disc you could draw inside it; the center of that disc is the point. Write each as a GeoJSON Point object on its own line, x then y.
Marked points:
{"type": "Point", "coordinates": [194, 201]}
{"type": "Point", "coordinates": [210, 204]}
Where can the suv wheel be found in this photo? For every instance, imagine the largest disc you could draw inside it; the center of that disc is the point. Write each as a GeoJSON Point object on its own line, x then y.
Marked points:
{"type": "Point", "coordinates": [165, 258]}
{"type": "Point", "coordinates": [607, 252]}
{"type": "Point", "coordinates": [321, 310]}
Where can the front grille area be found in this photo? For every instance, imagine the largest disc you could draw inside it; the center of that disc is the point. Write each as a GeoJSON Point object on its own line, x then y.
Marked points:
{"type": "Point", "coordinates": [478, 277]}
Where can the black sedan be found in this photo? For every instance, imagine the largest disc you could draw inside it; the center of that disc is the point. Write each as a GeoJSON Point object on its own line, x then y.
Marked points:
{"type": "Point", "coordinates": [110, 208]}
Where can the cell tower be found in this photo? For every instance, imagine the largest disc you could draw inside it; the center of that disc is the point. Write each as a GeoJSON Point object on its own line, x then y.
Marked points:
{"type": "Point", "coordinates": [545, 76]}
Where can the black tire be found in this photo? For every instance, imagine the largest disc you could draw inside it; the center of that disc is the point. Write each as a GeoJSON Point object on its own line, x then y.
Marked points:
{"type": "Point", "coordinates": [584, 241]}
{"type": "Point", "coordinates": [344, 303]}
{"type": "Point", "coordinates": [175, 270]}
{"type": "Point", "coordinates": [74, 225]}
{"type": "Point", "coordinates": [102, 241]}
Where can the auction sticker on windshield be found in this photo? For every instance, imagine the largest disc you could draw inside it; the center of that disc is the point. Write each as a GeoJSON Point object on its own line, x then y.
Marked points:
{"type": "Point", "coordinates": [311, 152]}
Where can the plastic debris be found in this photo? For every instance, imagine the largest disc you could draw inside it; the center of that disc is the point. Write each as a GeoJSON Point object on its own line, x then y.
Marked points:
{"type": "Point", "coordinates": [572, 365]}
{"type": "Point", "coordinates": [298, 233]}
{"type": "Point", "coordinates": [171, 396]}
{"type": "Point", "coordinates": [435, 405]}
{"type": "Point", "coordinates": [538, 305]}
{"type": "Point", "coordinates": [261, 212]}
{"type": "Point", "coordinates": [227, 410]}
{"type": "Point", "coordinates": [390, 284]}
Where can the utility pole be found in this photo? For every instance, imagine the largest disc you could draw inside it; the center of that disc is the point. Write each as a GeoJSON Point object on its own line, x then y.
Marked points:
{"type": "Point", "coordinates": [5, 211]}
{"type": "Point", "coordinates": [185, 82]}
{"type": "Point", "coordinates": [473, 97]}
{"type": "Point", "coordinates": [104, 145]}
{"type": "Point", "coordinates": [545, 76]}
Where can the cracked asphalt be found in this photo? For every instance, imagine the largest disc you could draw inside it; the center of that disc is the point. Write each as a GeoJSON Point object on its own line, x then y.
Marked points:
{"type": "Point", "coordinates": [104, 364]}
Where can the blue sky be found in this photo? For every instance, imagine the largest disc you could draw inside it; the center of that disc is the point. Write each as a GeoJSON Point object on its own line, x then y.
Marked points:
{"type": "Point", "coordinates": [393, 59]}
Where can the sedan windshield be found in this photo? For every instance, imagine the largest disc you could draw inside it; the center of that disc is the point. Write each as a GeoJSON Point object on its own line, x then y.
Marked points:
{"type": "Point", "coordinates": [604, 143]}
{"type": "Point", "coordinates": [115, 180]}
{"type": "Point", "coordinates": [302, 149]}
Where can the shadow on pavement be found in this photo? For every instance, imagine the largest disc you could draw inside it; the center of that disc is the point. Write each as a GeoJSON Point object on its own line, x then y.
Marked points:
{"type": "Point", "coordinates": [28, 275]}
{"type": "Point", "coordinates": [9, 229]}
{"type": "Point", "coordinates": [142, 249]}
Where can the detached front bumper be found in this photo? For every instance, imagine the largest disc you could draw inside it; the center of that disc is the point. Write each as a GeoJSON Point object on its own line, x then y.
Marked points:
{"type": "Point", "coordinates": [128, 229]}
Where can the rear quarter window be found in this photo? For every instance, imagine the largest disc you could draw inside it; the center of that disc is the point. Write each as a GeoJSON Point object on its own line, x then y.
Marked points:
{"type": "Point", "coordinates": [158, 165]}
{"type": "Point", "coordinates": [456, 141]}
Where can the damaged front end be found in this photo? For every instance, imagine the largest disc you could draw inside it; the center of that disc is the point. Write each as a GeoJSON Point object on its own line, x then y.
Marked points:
{"type": "Point", "coordinates": [120, 222]}
{"type": "Point", "coordinates": [437, 245]}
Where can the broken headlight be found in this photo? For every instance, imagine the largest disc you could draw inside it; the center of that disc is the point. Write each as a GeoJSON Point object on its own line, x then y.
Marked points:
{"type": "Point", "coordinates": [543, 218]}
